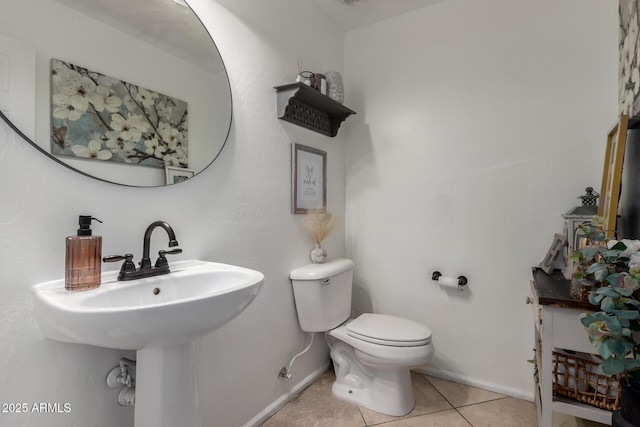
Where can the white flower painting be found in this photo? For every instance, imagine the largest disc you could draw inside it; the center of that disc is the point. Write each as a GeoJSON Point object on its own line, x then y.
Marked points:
{"type": "Point", "coordinates": [97, 117]}
{"type": "Point", "coordinates": [629, 71]}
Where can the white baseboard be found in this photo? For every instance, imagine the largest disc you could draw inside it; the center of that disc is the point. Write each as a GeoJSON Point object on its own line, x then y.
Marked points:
{"type": "Point", "coordinates": [486, 385]}
{"type": "Point", "coordinates": [285, 398]}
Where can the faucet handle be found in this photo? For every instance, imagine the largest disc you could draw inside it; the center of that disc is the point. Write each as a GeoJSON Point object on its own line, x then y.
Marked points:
{"type": "Point", "coordinates": [128, 264]}
{"type": "Point", "coordinates": [162, 259]}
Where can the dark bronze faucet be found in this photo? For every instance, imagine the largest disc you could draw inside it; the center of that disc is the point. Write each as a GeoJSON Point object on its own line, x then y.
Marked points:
{"type": "Point", "coordinates": [128, 271]}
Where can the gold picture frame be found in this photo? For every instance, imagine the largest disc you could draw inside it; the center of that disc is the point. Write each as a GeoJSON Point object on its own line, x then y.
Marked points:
{"type": "Point", "coordinates": [612, 174]}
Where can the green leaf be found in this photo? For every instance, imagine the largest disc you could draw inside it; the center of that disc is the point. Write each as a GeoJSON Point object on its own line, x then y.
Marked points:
{"type": "Point", "coordinates": [590, 251]}
{"type": "Point", "coordinates": [624, 291]}
{"type": "Point", "coordinates": [598, 266]}
{"type": "Point", "coordinates": [611, 255]}
{"type": "Point", "coordinates": [613, 279]}
{"type": "Point", "coordinates": [631, 364]}
{"type": "Point", "coordinates": [612, 366]}
{"type": "Point", "coordinates": [608, 305]}
{"type": "Point", "coordinates": [607, 292]}
{"type": "Point", "coordinates": [595, 298]}
{"type": "Point", "coordinates": [605, 350]}
{"type": "Point", "coordinates": [626, 314]}
{"type": "Point", "coordinates": [586, 320]}
{"type": "Point", "coordinates": [631, 301]}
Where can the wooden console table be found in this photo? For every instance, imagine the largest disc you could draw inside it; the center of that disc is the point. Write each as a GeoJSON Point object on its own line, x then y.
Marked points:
{"type": "Point", "coordinates": [557, 325]}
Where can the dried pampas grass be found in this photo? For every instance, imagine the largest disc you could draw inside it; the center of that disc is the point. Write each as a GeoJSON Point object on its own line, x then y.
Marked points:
{"type": "Point", "coordinates": [319, 224]}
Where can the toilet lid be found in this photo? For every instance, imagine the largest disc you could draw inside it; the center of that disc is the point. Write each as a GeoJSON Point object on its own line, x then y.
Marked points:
{"type": "Point", "coordinates": [389, 330]}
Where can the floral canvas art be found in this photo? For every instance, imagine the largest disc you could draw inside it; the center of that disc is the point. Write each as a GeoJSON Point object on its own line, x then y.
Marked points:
{"type": "Point", "coordinates": [97, 117]}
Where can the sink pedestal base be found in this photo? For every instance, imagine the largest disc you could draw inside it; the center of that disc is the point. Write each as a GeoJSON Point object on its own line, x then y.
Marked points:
{"type": "Point", "coordinates": [167, 387]}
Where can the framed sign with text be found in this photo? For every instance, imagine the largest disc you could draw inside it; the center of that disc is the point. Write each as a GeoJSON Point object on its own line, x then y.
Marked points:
{"type": "Point", "coordinates": [308, 179]}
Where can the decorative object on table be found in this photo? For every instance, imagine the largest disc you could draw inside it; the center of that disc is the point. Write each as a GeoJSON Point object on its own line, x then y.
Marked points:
{"type": "Point", "coordinates": [315, 80]}
{"type": "Point", "coordinates": [335, 88]}
{"type": "Point", "coordinates": [612, 174]}
{"type": "Point", "coordinates": [319, 83]}
{"type": "Point", "coordinates": [305, 77]}
{"type": "Point", "coordinates": [97, 117]}
{"type": "Point", "coordinates": [555, 256]}
{"type": "Point", "coordinates": [308, 179]}
{"type": "Point", "coordinates": [574, 217]}
{"type": "Point", "coordinates": [319, 225]}
{"type": "Point", "coordinates": [175, 175]}
{"type": "Point", "coordinates": [612, 269]}
{"type": "Point", "coordinates": [589, 198]}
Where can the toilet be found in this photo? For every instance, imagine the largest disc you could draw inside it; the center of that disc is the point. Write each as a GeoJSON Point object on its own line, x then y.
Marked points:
{"type": "Point", "coordinates": [373, 353]}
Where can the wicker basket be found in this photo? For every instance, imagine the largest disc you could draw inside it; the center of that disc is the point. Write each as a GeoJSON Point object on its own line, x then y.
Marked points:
{"type": "Point", "coordinates": [577, 376]}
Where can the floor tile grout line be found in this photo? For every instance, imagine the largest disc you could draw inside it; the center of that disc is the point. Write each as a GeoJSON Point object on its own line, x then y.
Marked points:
{"type": "Point", "coordinates": [462, 406]}
{"type": "Point", "coordinates": [408, 418]}
{"type": "Point", "coordinates": [447, 400]}
{"type": "Point", "coordinates": [484, 401]}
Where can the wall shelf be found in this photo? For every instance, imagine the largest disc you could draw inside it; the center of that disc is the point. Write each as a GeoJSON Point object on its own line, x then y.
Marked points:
{"type": "Point", "coordinates": [307, 107]}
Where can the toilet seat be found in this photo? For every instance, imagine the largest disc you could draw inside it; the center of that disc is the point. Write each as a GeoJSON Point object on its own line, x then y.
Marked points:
{"type": "Point", "coordinates": [393, 331]}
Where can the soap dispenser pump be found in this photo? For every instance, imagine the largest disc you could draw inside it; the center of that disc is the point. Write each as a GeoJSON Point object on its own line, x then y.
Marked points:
{"type": "Point", "coordinates": [83, 257]}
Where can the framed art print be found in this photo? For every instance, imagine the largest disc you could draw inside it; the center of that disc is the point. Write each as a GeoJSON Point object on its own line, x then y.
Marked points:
{"type": "Point", "coordinates": [175, 175]}
{"type": "Point", "coordinates": [308, 179]}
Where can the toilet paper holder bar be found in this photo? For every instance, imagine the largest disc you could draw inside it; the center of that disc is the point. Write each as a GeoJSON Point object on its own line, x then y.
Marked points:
{"type": "Point", "coordinates": [462, 280]}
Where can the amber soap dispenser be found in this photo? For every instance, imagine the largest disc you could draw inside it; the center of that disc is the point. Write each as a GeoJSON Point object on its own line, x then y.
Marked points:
{"type": "Point", "coordinates": [84, 258]}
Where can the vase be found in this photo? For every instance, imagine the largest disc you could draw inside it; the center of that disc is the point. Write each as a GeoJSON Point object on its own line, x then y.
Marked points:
{"type": "Point", "coordinates": [318, 255]}
{"type": "Point", "coordinates": [629, 413]}
{"type": "Point", "coordinates": [335, 88]}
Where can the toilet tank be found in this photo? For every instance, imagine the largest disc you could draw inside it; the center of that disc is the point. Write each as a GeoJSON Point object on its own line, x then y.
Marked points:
{"type": "Point", "coordinates": [322, 293]}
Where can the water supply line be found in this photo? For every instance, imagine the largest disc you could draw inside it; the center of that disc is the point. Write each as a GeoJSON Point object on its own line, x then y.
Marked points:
{"type": "Point", "coordinates": [285, 372]}
{"type": "Point", "coordinates": [122, 375]}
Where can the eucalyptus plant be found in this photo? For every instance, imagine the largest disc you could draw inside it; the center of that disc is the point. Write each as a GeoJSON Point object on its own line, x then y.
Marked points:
{"type": "Point", "coordinates": [612, 269]}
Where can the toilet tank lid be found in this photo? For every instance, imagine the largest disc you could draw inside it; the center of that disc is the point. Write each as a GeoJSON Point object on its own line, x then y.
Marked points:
{"type": "Point", "coordinates": [321, 271]}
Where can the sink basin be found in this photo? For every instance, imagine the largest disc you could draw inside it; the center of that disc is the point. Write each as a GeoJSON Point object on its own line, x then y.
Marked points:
{"type": "Point", "coordinates": [194, 299]}
{"type": "Point", "coordinates": [160, 317]}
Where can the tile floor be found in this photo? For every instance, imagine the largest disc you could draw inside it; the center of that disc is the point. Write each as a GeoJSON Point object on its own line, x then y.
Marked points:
{"type": "Point", "coordinates": [439, 403]}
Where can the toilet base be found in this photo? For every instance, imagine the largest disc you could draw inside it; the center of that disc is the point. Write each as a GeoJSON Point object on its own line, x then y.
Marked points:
{"type": "Point", "coordinates": [385, 389]}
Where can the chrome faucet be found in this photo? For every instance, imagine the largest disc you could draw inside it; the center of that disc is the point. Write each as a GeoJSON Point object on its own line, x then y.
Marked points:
{"type": "Point", "coordinates": [128, 271]}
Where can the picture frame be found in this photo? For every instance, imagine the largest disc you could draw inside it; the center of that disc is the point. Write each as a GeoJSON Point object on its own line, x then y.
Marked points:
{"type": "Point", "coordinates": [308, 179]}
{"type": "Point", "coordinates": [612, 175]}
{"type": "Point", "coordinates": [554, 259]}
{"type": "Point", "coordinates": [175, 175]}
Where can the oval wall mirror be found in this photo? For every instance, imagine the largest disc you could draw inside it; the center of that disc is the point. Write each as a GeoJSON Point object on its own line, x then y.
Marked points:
{"type": "Point", "coordinates": [130, 92]}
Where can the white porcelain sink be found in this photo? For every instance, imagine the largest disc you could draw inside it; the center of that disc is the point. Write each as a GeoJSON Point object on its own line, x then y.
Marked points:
{"type": "Point", "coordinates": [160, 317]}
{"type": "Point", "coordinates": [195, 298]}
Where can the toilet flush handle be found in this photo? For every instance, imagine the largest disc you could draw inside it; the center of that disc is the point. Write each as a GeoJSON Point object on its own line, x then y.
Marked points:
{"type": "Point", "coordinates": [325, 282]}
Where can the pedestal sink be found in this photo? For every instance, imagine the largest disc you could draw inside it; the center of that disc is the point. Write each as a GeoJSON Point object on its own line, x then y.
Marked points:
{"type": "Point", "coordinates": [159, 317]}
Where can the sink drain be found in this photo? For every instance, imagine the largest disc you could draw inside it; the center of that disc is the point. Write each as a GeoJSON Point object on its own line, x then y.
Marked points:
{"type": "Point", "coordinates": [156, 291]}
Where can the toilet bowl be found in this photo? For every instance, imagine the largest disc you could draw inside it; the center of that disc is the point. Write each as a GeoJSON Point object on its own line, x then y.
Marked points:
{"type": "Point", "coordinates": [373, 353]}
{"type": "Point", "coordinates": [374, 370]}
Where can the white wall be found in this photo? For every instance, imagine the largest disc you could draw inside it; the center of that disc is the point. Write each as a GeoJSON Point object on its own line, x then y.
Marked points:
{"type": "Point", "coordinates": [479, 123]}
{"type": "Point", "coordinates": [237, 211]}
